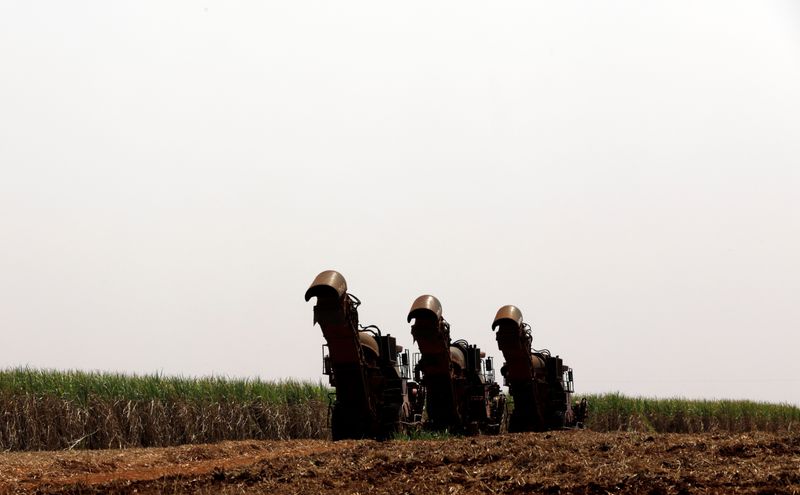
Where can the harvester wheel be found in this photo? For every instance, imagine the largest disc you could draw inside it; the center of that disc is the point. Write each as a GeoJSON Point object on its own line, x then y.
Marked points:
{"type": "Point", "coordinates": [515, 424]}
{"type": "Point", "coordinates": [391, 411]}
{"type": "Point", "coordinates": [346, 424]}
{"type": "Point", "coordinates": [559, 420]}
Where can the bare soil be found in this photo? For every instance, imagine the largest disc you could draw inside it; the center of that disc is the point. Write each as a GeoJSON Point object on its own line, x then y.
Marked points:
{"type": "Point", "coordinates": [558, 462]}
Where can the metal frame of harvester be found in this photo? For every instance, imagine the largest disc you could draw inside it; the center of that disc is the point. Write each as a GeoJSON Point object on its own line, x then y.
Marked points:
{"type": "Point", "coordinates": [362, 364]}
{"type": "Point", "coordinates": [540, 384]}
{"type": "Point", "coordinates": [457, 377]}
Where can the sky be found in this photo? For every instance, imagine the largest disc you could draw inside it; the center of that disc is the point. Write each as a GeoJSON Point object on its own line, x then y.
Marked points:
{"type": "Point", "coordinates": [174, 174]}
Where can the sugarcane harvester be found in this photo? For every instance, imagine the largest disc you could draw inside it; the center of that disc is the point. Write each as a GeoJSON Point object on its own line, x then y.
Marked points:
{"type": "Point", "coordinates": [457, 379]}
{"type": "Point", "coordinates": [540, 385]}
{"type": "Point", "coordinates": [366, 368]}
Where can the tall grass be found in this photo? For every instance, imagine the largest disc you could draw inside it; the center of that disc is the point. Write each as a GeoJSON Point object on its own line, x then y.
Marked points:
{"type": "Point", "coordinates": [44, 409]}
{"type": "Point", "coordinates": [613, 412]}
{"type": "Point", "coordinates": [80, 385]}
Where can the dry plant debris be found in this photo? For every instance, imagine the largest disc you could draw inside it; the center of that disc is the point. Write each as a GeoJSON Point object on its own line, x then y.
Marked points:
{"type": "Point", "coordinates": [565, 462]}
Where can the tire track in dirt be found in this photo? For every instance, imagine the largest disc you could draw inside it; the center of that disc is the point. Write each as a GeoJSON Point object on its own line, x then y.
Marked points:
{"type": "Point", "coordinates": [32, 472]}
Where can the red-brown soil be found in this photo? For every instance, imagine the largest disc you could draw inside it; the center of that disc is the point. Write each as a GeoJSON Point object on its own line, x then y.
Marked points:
{"type": "Point", "coordinates": [558, 462]}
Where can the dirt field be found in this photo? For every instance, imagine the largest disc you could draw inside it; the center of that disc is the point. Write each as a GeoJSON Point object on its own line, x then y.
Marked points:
{"type": "Point", "coordinates": [559, 462]}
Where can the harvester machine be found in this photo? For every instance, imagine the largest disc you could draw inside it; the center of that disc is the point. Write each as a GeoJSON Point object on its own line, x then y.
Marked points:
{"type": "Point", "coordinates": [457, 378]}
{"type": "Point", "coordinates": [540, 384]}
{"type": "Point", "coordinates": [369, 370]}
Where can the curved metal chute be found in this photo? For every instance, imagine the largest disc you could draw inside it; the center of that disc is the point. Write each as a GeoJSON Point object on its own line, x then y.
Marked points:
{"type": "Point", "coordinates": [508, 312]}
{"type": "Point", "coordinates": [537, 362]}
{"type": "Point", "coordinates": [327, 284]}
{"type": "Point", "coordinates": [457, 357]}
{"type": "Point", "coordinates": [367, 341]}
{"type": "Point", "coordinates": [426, 304]}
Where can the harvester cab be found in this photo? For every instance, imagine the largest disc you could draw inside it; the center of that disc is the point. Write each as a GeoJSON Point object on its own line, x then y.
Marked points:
{"type": "Point", "coordinates": [403, 362]}
{"type": "Point", "coordinates": [488, 369]}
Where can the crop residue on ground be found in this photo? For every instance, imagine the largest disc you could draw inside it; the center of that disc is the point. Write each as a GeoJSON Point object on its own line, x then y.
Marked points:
{"type": "Point", "coordinates": [556, 462]}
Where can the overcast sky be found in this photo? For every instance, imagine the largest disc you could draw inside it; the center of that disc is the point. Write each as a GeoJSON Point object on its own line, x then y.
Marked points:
{"type": "Point", "coordinates": [174, 174]}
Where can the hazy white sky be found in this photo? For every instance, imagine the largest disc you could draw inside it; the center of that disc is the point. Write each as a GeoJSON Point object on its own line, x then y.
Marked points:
{"type": "Point", "coordinates": [174, 174]}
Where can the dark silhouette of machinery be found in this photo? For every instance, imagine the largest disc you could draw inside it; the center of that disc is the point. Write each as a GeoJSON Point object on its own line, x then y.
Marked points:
{"type": "Point", "coordinates": [458, 381]}
{"type": "Point", "coordinates": [368, 370]}
{"type": "Point", "coordinates": [540, 384]}
{"type": "Point", "coordinates": [454, 387]}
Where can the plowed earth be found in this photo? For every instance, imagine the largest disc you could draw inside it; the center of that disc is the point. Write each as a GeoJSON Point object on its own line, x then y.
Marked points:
{"type": "Point", "coordinates": [558, 462]}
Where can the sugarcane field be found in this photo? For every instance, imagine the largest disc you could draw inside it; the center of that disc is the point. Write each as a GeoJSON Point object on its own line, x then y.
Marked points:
{"type": "Point", "coordinates": [422, 248]}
